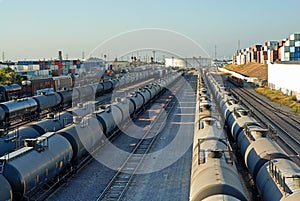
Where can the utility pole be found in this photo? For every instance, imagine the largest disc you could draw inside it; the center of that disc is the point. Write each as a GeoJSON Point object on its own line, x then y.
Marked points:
{"type": "Point", "coordinates": [3, 56]}
{"type": "Point", "coordinates": [215, 52]}
{"type": "Point", "coordinates": [153, 56]}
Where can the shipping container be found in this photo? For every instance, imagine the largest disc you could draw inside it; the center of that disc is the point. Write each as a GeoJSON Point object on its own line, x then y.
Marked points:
{"type": "Point", "coordinates": [287, 43]}
{"type": "Point", "coordinates": [292, 54]}
{"type": "Point", "coordinates": [286, 48]}
{"type": "Point", "coordinates": [292, 49]}
{"type": "Point", "coordinates": [281, 43]}
{"type": "Point", "coordinates": [292, 43]}
{"type": "Point", "coordinates": [295, 36]}
{"type": "Point", "coordinates": [286, 56]}
{"type": "Point", "coordinates": [297, 43]}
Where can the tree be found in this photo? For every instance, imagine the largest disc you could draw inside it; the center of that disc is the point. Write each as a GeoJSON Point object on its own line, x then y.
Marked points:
{"type": "Point", "coordinates": [9, 76]}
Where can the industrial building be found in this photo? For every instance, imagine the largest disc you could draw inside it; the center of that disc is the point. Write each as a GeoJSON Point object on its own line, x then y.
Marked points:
{"type": "Point", "coordinates": [285, 77]}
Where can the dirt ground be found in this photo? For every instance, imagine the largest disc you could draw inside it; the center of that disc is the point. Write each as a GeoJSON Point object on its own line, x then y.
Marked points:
{"type": "Point", "coordinates": [251, 69]}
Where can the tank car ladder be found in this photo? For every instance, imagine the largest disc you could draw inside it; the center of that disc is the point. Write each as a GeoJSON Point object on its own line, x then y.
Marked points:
{"type": "Point", "coordinates": [2, 163]}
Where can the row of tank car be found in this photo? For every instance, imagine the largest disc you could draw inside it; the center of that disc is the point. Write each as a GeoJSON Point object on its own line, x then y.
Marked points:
{"type": "Point", "coordinates": [47, 157]}
{"type": "Point", "coordinates": [214, 175]}
{"type": "Point", "coordinates": [276, 175]}
{"type": "Point", "coordinates": [15, 138]}
{"type": "Point", "coordinates": [54, 84]}
{"type": "Point", "coordinates": [31, 108]}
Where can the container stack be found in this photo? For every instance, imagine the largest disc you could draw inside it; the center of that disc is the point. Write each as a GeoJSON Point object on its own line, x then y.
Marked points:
{"type": "Point", "coordinates": [255, 57]}
{"type": "Point", "coordinates": [270, 52]}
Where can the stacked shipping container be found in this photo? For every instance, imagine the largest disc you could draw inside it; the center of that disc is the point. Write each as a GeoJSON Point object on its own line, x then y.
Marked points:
{"type": "Point", "coordinates": [284, 50]}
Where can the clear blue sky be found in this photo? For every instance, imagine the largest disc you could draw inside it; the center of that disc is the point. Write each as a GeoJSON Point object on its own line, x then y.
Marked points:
{"type": "Point", "coordinates": [37, 29]}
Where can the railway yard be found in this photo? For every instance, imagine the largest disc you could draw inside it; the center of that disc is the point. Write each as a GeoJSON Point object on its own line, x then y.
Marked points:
{"type": "Point", "coordinates": [185, 135]}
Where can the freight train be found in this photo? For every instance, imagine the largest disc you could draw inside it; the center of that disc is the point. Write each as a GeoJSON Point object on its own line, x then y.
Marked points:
{"type": "Point", "coordinates": [213, 175]}
{"type": "Point", "coordinates": [276, 176]}
{"type": "Point", "coordinates": [31, 108]}
{"type": "Point", "coordinates": [40, 86]}
{"type": "Point", "coordinates": [46, 158]}
{"type": "Point", "coordinates": [236, 81]}
{"type": "Point", "coordinates": [15, 139]}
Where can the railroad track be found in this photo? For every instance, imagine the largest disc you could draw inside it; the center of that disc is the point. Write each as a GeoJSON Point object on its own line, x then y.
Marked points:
{"type": "Point", "coordinates": [51, 188]}
{"type": "Point", "coordinates": [288, 133]}
{"type": "Point", "coordinates": [121, 180]}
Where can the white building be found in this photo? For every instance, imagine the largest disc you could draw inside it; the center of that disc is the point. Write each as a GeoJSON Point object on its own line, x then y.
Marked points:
{"type": "Point", "coordinates": [285, 77]}
{"type": "Point", "coordinates": [178, 62]}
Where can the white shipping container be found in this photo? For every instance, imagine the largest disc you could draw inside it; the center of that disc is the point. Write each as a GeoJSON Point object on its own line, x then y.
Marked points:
{"type": "Point", "coordinates": [269, 54]}
{"type": "Point", "coordinates": [42, 73]}
{"type": "Point", "coordinates": [295, 36]}
{"type": "Point", "coordinates": [286, 56]}
{"type": "Point", "coordinates": [53, 67]}
{"type": "Point", "coordinates": [35, 67]}
{"type": "Point", "coordinates": [292, 49]}
{"type": "Point", "coordinates": [297, 43]}
{"type": "Point", "coordinates": [282, 53]}
{"type": "Point", "coordinates": [287, 43]}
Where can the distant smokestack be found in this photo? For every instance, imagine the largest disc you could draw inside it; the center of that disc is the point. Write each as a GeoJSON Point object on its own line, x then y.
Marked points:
{"type": "Point", "coordinates": [60, 55]}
